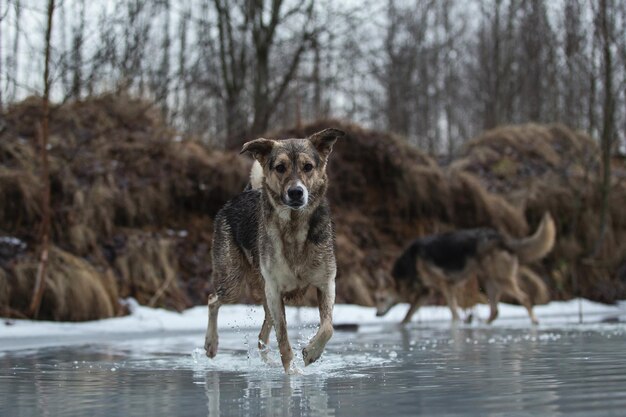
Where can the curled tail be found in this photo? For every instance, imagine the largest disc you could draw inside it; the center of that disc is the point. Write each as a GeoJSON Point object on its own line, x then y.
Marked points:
{"type": "Point", "coordinates": [535, 247]}
{"type": "Point", "coordinates": [533, 285]}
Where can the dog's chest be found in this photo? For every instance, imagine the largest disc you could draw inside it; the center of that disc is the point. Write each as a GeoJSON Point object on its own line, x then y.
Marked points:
{"type": "Point", "coordinates": [286, 258]}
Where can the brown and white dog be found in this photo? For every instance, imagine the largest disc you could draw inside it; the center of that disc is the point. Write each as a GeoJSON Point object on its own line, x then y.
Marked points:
{"type": "Point", "coordinates": [277, 237]}
{"type": "Point", "coordinates": [444, 262]}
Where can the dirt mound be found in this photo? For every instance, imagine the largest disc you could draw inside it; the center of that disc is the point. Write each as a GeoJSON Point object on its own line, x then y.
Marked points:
{"type": "Point", "coordinates": [384, 193]}
{"type": "Point", "coordinates": [554, 168]}
{"type": "Point", "coordinates": [124, 190]}
{"type": "Point", "coordinates": [133, 206]}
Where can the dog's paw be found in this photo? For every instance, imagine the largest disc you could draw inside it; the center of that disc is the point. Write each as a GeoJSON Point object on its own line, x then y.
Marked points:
{"type": "Point", "coordinates": [310, 355]}
{"type": "Point", "coordinates": [210, 348]}
{"type": "Point", "coordinates": [294, 370]}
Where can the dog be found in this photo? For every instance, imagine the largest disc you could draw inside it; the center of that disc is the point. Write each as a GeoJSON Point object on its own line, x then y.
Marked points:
{"type": "Point", "coordinates": [444, 262]}
{"type": "Point", "coordinates": [277, 237]}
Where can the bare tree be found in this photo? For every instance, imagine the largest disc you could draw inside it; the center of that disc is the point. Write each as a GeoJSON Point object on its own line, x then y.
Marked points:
{"type": "Point", "coordinates": [78, 34]}
{"type": "Point", "coordinates": [605, 26]}
{"type": "Point", "coordinates": [267, 92]}
{"type": "Point", "coordinates": [233, 61]}
{"type": "Point", "coordinates": [2, 16]}
{"type": "Point", "coordinates": [398, 71]}
{"type": "Point", "coordinates": [425, 70]}
{"type": "Point", "coordinates": [160, 80]}
{"type": "Point", "coordinates": [184, 86]}
{"type": "Point", "coordinates": [537, 54]}
{"type": "Point", "coordinates": [40, 282]}
{"type": "Point", "coordinates": [496, 77]}
{"type": "Point", "coordinates": [574, 78]}
{"type": "Point", "coordinates": [14, 67]}
{"type": "Point", "coordinates": [136, 33]}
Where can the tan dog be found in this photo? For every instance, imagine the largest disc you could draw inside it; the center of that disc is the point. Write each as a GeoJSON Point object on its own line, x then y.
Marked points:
{"type": "Point", "coordinates": [446, 261]}
{"type": "Point", "coordinates": [277, 237]}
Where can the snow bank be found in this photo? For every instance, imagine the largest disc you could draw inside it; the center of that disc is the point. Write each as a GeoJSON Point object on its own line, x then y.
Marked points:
{"type": "Point", "coordinates": [146, 322]}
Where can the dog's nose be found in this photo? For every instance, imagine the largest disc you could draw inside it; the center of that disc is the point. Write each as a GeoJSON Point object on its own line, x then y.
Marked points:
{"type": "Point", "coordinates": [295, 193]}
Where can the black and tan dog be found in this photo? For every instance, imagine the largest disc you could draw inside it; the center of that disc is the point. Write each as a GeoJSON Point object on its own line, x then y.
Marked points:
{"type": "Point", "coordinates": [444, 262]}
{"type": "Point", "coordinates": [277, 237]}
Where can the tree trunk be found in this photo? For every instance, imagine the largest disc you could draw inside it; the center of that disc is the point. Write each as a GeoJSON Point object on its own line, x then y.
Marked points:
{"type": "Point", "coordinates": [607, 123]}
{"type": "Point", "coordinates": [16, 46]}
{"type": "Point", "coordinates": [40, 283]}
{"type": "Point", "coordinates": [77, 51]}
{"type": "Point", "coordinates": [1, 87]}
{"type": "Point", "coordinates": [261, 93]}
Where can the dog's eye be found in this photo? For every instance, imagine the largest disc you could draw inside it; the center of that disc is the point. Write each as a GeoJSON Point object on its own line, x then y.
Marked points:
{"type": "Point", "coordinates": [281, 169]}
{"type": "Point", "coordinates": [307, 167]}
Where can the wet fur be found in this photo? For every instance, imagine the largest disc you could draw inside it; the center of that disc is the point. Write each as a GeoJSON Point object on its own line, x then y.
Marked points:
{"type": "Point", "coordinates": [445, 261]}
{"type": "Point", "coordinates": [276, 249]}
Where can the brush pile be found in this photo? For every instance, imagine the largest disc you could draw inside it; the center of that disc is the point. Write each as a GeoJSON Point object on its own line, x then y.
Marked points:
{"type": "Point", "coordinates": [539, 168]}
{"type": "Point", "coordinates": [132, 207]}
{"type": "Point", "coordinates": [384, 193]}
{"type": "Point", "coordinates": [133, 204]}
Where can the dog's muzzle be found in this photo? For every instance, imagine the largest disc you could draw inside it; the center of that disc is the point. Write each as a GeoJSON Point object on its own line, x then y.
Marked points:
{"type": "Point", "coordinates": [297, 197]}
{"type": "Point", "coordinates": [382, 310]}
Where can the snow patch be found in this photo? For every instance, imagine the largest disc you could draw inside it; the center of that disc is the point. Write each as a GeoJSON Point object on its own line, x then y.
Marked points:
{"type": "Point", "coordinates": [145, 322]}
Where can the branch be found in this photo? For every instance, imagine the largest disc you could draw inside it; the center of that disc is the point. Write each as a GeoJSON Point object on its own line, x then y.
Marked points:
{"type": "Point", "coordinates": [307, 36]}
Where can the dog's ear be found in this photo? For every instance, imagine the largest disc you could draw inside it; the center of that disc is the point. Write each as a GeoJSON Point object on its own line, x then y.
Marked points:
{"type": "Point", "coordinates": [259, 148]}
{"type": "Point", "coordinates": [323, 141]}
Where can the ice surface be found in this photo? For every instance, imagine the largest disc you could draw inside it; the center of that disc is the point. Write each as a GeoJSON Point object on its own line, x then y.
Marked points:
{"type": "Point", "coordinates": [152, 362]}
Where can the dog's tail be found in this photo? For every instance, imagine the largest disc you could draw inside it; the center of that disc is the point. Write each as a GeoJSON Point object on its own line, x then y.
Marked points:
{"type": "Point", "coordinates": [535, 247]}
{"type": "Point", "coordinates": [256, 177]}
{"type": "Point", "coordinates": [533, 285]}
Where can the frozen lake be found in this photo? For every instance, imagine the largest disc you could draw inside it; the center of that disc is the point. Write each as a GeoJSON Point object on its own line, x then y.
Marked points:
{"type": "Point", "coordinates": [431, 368]}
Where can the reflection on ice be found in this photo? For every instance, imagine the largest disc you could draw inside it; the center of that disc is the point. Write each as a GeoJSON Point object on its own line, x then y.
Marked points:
{"type": "Point", "coordinates": [381, 369]}
{"type": "Point", "coordinates": [265, 396]}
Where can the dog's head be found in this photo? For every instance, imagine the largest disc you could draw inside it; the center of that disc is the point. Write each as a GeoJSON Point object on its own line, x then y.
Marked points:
{"type": "Point", "coordinates": [294, 170]}
{"type": "Point", "coordinates": [386, 295]}
{"type": "Point", "coordinates": [385, 299]}
{"type": "Point", "coordinates": [393, 289]}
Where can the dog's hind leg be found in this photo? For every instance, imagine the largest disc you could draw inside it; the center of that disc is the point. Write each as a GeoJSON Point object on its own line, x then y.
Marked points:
{"type": "Point", "coordinates": [450, 297]}
{"type": "Point", "coordinates": [525, 301]}
{"type": "Point", "coordinates": [520, 295]}
{"type": "Point", "coordinates": [517, 292]}
{"type": "Point", "coordinates": [493, 293]}
{"type": "Point", "coordinates": [211, 339]}
{"type": "Point", "coordinates": [412, 309]}
{"type": "Point", "coordinates": [264, 335]}
{"type": "Point", "coordinates": [326, 301]}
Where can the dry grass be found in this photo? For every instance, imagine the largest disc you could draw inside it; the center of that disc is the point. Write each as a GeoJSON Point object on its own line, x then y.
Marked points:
{"type": "Point", "coordinates": [117, 172]}
{"type": "Point", "coordinates": [133, 205]}
{"type": "Point", "coordinates": [558, 170]}
{"type": "Point", "coordinates": [75, 290]}
{"type": "Point", "coordinates": [148, 270]}
{"type": "Point", "coordinates": [384, 193]}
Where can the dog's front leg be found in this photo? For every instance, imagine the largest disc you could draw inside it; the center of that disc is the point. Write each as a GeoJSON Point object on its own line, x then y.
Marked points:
{"type": "Point", "coordinates": [264, 335]}
{"type": "Point", "coordinates": [210, 340]}
{"type": "Point", "coordinates": [412, 309]}
{"type": "Point", "coordinates": [450, 296]}
{"type": "Point", "coordinates": [326, 301]}
{"type": "Point", "coordinates": [276, 306]}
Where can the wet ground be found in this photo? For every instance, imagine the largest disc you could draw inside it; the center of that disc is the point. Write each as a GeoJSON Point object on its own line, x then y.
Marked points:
{"type": "Point", "coordinates": [378, 370]}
